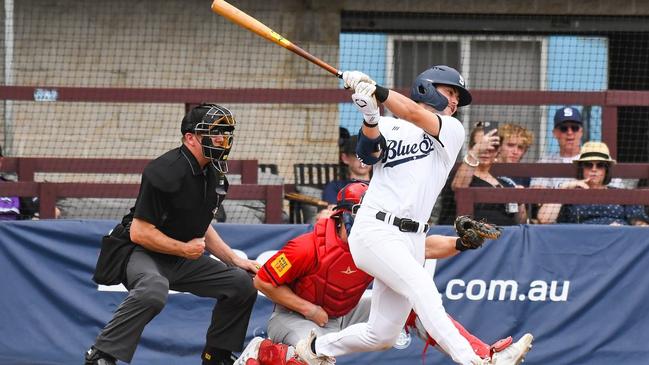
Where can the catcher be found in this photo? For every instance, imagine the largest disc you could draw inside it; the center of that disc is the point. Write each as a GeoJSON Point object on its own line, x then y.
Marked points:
{"type": "Point", "coordinates": [313, 279]}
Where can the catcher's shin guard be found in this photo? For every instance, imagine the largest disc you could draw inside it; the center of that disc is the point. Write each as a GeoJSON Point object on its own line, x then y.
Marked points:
{"type": "Point", "coordinates": [480, 348]}
{"type": "Point", "coordinates": [500, 345]}
{"type": "Point", "coordinates": [277, 354]}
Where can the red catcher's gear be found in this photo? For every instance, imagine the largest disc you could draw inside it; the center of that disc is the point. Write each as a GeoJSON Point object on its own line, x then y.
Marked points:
{"type": "Point", "coordinates": [271, 353]}
{"type": "Point", "coordinates": [274, 354]}
{"type": "Point", "coordinates": [349, 196]}
{"type": "Point", "coordinates": [335, 283]}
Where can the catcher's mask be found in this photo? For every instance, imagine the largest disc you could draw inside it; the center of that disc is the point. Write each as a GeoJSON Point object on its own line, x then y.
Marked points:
{"type": "Point", "coordinates": [216, 130]}
{"type": "Point", "coordinates": [347, 203]}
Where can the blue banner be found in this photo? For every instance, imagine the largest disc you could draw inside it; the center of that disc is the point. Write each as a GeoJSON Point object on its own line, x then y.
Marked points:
{"type": "Point", "coordinates": [579, 289]}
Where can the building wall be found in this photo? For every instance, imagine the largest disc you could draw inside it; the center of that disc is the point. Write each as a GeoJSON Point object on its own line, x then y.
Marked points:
{"type": "Point", "coordinates": [168, 44]}
{"type": "Point", "coordinates": [533, 7]}
{"type": "Point", "coordinates": [182, 44]}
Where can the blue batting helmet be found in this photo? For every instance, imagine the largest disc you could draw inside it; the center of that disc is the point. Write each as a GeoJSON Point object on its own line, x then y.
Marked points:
{"type": "Point", "coordinates": [423, 89]}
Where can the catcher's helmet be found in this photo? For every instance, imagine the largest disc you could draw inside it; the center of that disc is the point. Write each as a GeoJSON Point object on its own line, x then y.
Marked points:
{"type": "Point", "coordinates": [350, 196]}
{"type": "Point", "coordinates": [348, 201]}
{"type": "Point", "coordinates": [209, 121]}
{"type": "Point", "coordinates": [423, 88]}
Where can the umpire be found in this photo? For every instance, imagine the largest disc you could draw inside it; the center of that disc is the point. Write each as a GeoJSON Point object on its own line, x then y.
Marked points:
{"type": "Point", "coordinates": [160, 245]}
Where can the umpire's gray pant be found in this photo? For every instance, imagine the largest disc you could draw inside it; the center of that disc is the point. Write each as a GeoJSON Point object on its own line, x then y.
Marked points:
{"type": "Point", "coordinates": [150, 275]}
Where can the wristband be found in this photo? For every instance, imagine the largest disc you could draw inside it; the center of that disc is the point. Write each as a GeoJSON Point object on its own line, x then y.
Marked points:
{"type": "Point", "coordinates": [368, 125]}
{"type": "Point", "coordinates": [381, 93]}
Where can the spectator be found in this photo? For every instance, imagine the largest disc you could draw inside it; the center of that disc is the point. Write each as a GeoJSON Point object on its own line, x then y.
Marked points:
{"type": "Point", "coordinates": [515, 141]}
{"type": "Point", "coordinates": [349, 169]}
{"type": "Point", "coordinates": [353, 170]}
{"type": "Point", "coordinates": [28, 206]}
{"type": "Point", "coordinates": [9, 205]}
{"type": "Point", "coordinates": [568, 131]}
{"type": "Point", "coordinates": [593, 172]}
{"type": "Point", "coordinates": [474, 172]}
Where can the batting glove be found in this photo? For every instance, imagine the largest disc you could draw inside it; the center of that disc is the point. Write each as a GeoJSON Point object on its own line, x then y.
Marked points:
{"type": "Point", "coordinates": [365, 88]}
{"type": "Point", "coordinates": [366, 103]}
{"type": "Point", "coordinates": [352, 78]}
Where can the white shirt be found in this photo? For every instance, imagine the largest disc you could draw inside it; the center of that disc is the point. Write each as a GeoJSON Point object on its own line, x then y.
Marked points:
{"type": "Point", "coordinates": [414, 168]}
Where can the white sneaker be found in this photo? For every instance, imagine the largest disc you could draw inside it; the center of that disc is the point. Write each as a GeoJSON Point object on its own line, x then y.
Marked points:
{"type": "Point", "coordinates": [303, 351]}
{"type": "Point", "coordinates": [250, 352]}
{"type": "Point", "coordinates": [515, 353]}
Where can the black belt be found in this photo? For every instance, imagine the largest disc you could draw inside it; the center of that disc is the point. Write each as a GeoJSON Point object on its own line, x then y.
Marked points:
{"type": "Point", "coordinates": [404, 224]}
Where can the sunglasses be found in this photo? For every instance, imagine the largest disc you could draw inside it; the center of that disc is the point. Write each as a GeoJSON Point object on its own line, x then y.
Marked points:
{"type": "Point", "coordinates": [599, 165]}
{"type": "Point", "coordinates": [573, 127]}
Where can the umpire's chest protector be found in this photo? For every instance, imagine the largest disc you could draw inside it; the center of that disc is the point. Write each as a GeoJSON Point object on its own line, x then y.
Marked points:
{"type": "Point", "coordinates": [335, 284]}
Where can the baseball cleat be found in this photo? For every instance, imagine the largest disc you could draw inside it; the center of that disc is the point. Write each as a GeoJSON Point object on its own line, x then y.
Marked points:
{"type": "Point", "coordinates": [250, 352]}
{"type": "Point", "coordinates": [304, 352]}
{"type": "Point", "coordinates": [515, 353]}
{"type": "Point", "coordinates": [97, 357]}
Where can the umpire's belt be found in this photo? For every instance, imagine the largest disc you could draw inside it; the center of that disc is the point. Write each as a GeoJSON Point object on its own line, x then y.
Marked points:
{"type": "Point", "coordinates": [404, 224]}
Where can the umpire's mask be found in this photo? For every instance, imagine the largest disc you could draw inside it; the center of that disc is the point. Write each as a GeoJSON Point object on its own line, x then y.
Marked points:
{"type": "Point", "coordinates": [216, 130]}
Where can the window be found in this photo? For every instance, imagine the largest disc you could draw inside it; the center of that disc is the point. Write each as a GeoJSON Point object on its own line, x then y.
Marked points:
{"type": "Point", "coordinates": [486, 62]}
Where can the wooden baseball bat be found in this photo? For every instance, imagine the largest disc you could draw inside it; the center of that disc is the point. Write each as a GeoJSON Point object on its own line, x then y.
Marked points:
{"type": "Point", "coordinates": [302, 198]}
{"type": "Point", "coordinates": [244, 20]}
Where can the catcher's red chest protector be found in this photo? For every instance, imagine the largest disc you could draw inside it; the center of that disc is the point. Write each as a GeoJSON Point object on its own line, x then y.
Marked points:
{"type": "Point", "coordinates": [335, 283]}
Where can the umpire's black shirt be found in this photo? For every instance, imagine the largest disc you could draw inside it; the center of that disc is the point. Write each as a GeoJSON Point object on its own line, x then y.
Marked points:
{"type": "Point", "coordinates": [177, 196]}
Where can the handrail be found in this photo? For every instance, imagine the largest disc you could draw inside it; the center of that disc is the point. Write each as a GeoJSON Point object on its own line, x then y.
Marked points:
{"type": "Point", "coordinates": [313, 96]}
{"type": "Point", "coordinates": [466, 197]}
{"type": "Point", "coordinates": [26, 167]}
{"type": "Point", "coordinates": [49, 192]}
{"type": "Point", "coordinates": [536, 169]}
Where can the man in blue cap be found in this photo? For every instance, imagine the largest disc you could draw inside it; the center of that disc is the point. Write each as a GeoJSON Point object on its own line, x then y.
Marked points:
{"type": "Point", "coordinates": [568, 131]}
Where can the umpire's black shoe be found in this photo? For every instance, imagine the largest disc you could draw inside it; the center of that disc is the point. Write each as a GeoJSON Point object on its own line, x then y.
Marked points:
{"type": "Point", "coordinates": [223, 358]}
{"type": "Point", "coordinates": [97, 357]}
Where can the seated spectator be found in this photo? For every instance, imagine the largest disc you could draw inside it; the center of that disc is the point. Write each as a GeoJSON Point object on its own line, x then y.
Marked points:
{"type": "Point", "coordinates": [28, 207]}
{"type": "Point", "coordinates": [353, 169]}
{"type": "Point", "coordinates": [568, 131]}
{"type": "Point", "coordinates": [475, 172]}
{"type": "Point", "coordinates": [515, 141]}
{"type": "Point", "coordinates": [9, 205]}
{"type": "Point", "coordinates": [593, 172]}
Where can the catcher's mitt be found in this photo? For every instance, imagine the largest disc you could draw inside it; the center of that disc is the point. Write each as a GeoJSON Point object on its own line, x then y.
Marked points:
{"type": "Point", "coordinates": [472, 233]}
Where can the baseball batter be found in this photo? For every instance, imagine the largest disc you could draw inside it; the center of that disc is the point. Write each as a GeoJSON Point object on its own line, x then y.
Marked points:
{"type": "Point", "coordinates": [412, 156]}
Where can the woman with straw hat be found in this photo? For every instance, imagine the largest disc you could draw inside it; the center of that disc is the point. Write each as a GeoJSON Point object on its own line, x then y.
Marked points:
{"type": "Point", "coordinates": [593, 172]}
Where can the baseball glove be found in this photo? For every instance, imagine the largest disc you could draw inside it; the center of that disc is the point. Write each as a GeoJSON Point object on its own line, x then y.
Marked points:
{"type": "Point", "coordinates": [472, 233]}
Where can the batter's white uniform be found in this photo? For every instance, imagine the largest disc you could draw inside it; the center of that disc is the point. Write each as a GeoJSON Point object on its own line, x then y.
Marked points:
{"type": "Point", "coordinates": [406, 184]}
